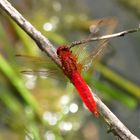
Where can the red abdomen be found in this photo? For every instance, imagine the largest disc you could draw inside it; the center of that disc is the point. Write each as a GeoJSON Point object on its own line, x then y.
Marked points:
{"type": "Point", "coordinates": [84, 92]}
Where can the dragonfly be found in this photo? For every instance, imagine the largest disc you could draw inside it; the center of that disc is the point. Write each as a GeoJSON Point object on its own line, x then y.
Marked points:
{"type": "Point", "coordinates": [72, 68]}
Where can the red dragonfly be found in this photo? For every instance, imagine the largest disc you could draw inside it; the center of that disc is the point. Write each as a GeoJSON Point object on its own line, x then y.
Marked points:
{"type": "Point", "coordinates": [72, 69]}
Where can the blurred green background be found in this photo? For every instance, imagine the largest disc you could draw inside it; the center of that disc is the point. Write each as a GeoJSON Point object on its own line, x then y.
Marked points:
{"type": "Point", "coordinates": [48, 108]}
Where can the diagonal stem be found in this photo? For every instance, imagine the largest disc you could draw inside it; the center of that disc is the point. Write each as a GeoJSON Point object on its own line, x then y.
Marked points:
{"type": "Point", "coordinates": [119, 34]}
{"type": "Point", "coordinates": [43, 43]}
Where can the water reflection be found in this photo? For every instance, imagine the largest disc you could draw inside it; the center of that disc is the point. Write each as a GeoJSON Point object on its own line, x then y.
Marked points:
{"type": "Point", "coordinates": [65, 126]}
{"type": "Point", "coordinates": [48, 26]}
{"type": "Point", "coordinates": [64, 100]}
{"type": "Point", "coordinates": [57, 6]}
{"type": "Point", "coordinates": [73, 108]}
{"type": "Point", "coordinates": [51, 118]}
{"type": "Point", "coordinates": [30, 80]}
{"type": "Point", "coordinates": [49, 136]}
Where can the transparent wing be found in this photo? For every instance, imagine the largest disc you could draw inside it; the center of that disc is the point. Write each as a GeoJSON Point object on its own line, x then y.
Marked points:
{"type": "Point", "coordinates": [89, 55]}
{"type": "Point", "coordinates": [33, 61]}
{"type": "Point", "coordinates": [94, 55]}
{"type": "Point", "coordinates": [103, 26]}
{"type": "Point", "coordinates": [40, 67]}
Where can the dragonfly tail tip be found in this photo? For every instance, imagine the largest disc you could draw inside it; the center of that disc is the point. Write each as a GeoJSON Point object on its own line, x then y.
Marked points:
{"type": "Point", "coordinates": [96, 114]}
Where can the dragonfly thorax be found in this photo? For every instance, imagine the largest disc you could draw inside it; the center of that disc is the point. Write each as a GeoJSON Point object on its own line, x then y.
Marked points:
{"type": "Point", "coordinates": [67, 59]}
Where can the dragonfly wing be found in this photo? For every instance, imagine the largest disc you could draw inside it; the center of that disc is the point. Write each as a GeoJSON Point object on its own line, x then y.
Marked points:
{"type": "Point", "coordinates": [98, 28]}
{"type": "Point", "coordinates": [80, 52]}
{"type": "Point", "coordinates": [40, 67]}
{"type": "Point", "coordinates": [103, 26]}
{"type": "Point", "coordinates": [41, 73]}
{"type": "Point", "coordinates": [32, 61]}
{"type": "Point", "coordinates": [94, 55]}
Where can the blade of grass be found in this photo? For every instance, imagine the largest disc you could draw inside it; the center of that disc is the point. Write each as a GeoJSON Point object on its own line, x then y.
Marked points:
{"type": "Point", "coordinates": [111, 93]}
{"type": "Point", "coordinates": [10, 102]}
{"type": "Point", "coordinates": [118, 80]}
{"type": "Point", "coordinates": [25, 39]}
{"type": "Point", "coordinates": [7, 70]}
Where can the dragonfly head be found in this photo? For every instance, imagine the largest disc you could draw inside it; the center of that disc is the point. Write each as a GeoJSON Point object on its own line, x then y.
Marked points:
{"type": "Point", "coordinates": [62, 49]}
